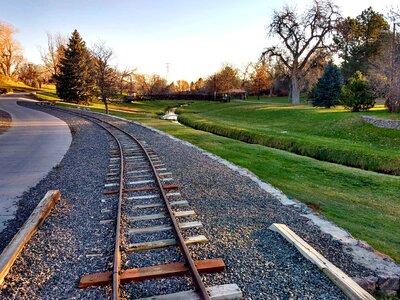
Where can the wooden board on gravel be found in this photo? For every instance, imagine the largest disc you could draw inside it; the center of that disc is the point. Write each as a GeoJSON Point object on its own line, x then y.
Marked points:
{"type": "Point", "coordinates": [37, 217]}
{"type": "Point", "coordinates": [344, 282]}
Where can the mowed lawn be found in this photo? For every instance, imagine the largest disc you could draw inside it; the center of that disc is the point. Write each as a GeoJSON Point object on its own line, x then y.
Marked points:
{"type": "Point", "coordinates": [333, 135]}
{"type": "Point", "coordinates": [365, 203]}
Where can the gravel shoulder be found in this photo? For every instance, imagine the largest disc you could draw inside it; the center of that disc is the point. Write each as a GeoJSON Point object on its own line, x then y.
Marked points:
{"type": "Point", "coordinates": [235, 212]}
{"type": "Point", "coordinates": [5, 121]}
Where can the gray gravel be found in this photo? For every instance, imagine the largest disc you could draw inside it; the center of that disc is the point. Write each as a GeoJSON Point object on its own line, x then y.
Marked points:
{"type": "Point", "coordinates": [5, 121]}
{"type": "Point", "coordinates": [235, 212]}
{"type": "Point", "coordinates": [51, 264]}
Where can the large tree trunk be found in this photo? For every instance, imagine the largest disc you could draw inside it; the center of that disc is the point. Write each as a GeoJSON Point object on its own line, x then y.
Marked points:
{"type": "Point", "coordinates": [105, 104]}
{"type": "Point", "coordinates": [294, 88]}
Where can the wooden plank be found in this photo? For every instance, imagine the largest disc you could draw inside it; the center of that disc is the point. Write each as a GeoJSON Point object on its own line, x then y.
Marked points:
{"type": "Point", "coordinates": [164, 243]}
{"type": "Point", "coordinates": [218, 292]}
{"type": "Point", "coordinates": [344, 282]}
{"type": "Point", "coordinates": [147, 217]}
{"type": "Point", "coordinates": [158, 228]}
{"type": "Point", "coordinates": [152, 205]}
{"type": "Point", "coordinates": [179, 203]}
{"type": "Point", "coordinates": [140, 182]}
{"type": "Point", "coordinates": [188, 225]}
{"type": "Point", "coordinates": [173, 194]}
{"type": "Point", "coordinates": [137, 171]}
{"type": "Point", "coordinates": [185, 213]}
{"type": "Point", "coordinates": [143, 197]}
{"type": "Point", "coordinates": [160, 271]}
{"type": "Point", "coordinates": [37, 217]}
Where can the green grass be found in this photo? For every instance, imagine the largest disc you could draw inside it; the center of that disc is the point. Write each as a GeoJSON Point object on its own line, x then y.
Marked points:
{"type": "Point", "coordinates": [333, 135]}
{"type": "Point", "coordinates": [363, 202]}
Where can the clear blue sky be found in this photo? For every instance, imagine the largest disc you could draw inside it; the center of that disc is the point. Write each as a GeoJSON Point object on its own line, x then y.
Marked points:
{"type": "Point", "coordinates": [195, 37]}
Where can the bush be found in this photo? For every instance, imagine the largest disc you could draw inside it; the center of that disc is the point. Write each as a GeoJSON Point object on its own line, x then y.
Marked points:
{"type": "Point", "coordinates": [35, 84]}
{"type": "Point", "coordinates": [357, 94]}
{"type": "Point", "coordinates": [3, 91]}
{"type": "Point", "coordinates": [328, 88]}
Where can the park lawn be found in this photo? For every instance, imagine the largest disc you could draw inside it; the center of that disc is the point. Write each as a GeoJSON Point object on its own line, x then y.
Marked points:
{"type": "Point", "coordinates": [364, 203]}
{"type": "Point", "coordinates": [333, 135]}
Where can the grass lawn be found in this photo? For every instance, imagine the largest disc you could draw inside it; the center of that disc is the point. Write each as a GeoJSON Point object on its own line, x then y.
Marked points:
{"type": "Point", "coordinates": [333, 135]}
{"type": "Point", "coordinates": [364, 203]}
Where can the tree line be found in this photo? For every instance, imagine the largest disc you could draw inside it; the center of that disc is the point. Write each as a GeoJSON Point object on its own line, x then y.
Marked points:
{"type": "Point", "coordinates": [366, 49]}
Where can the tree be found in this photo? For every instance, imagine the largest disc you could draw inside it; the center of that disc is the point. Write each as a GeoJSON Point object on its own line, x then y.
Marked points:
{"type": "Point", "coordinates": [224, 80]}
{"type": "Point", "coordinates": [260, 78]}
{"type": "Point", "coordinates": [328, 88]}
{"type": "Point", "coordinates": [10, 51]}
{"type": "Point", "coordinates": [150, 84]}
{"type": "Point", "coordinates": [357, 94]}
{"type": "Point", "coordinates": [33, 75]}
{"type": "Point", "coordinates": [358, 40]}
{"type": "Point", "coordinates": [200, 85]}
{"type": "Point", "coordinates": [126, 73]}
{"type": "Point", "coordinates": [384, 67]}
{"type": "Point", "coordinates": [302, 37]}
{"type": "Point", "coordinates": [51, 56]}
{"type": "Point", "coordinates": [76, 79]}
{"type": "Point", "coordinates": [106, 76]}
{"type": "Point", "coordinates": [182, 86]}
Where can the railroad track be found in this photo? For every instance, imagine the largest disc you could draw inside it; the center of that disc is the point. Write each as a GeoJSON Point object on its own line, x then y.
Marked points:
{"type": "Point", "coordinates": [148, 207]}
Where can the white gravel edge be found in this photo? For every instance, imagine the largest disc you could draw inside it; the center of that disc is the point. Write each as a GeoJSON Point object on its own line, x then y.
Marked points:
{"type": "Point", "coordinates": [361, 252]}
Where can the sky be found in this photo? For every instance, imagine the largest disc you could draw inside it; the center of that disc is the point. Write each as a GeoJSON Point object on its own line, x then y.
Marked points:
{"type": "Point", "coordinates": [193, 37]}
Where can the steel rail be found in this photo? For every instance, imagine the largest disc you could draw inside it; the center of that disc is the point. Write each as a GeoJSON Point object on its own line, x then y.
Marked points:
{"type": "Point", "coordinates": [116, 280]}
{"type": "Point", "coordinates": [198, 283]}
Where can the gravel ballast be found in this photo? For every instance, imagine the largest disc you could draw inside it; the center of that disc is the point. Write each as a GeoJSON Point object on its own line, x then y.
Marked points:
{"type": "Point", "coordinates": [234, 210]}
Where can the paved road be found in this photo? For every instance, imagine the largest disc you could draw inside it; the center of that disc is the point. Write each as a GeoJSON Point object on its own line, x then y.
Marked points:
{"type": "Point", "coordinates": [34, 144]}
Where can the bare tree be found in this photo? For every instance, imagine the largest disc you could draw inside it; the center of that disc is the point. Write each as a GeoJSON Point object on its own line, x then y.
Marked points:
{"type": "Point", "coordinates": [55, 51]}
{"type": "Point", "coordinates": [106, 76]}
{"type": "Point", "coordinates": [126, 73]}
{"type": "Point", "coordinates": [245, 73]}
{"type": "Point", "coordinates": [10, 50]}
{"type": "Point", "coordinates": [150, 84]}
{"type": "Point", "coordinates": [302, 36]}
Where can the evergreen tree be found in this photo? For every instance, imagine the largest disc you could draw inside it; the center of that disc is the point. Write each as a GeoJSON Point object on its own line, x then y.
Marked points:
{"type": "Point", "coordinates": [76, 81]}
{"type": "Point", "coordinates": [328, 89]}
{"type": "Point", "coordinates": [357, 94]}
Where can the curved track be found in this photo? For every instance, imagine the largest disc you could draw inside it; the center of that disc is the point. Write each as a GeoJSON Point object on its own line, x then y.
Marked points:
{"type": "Point", "coordinates": [130, 153]}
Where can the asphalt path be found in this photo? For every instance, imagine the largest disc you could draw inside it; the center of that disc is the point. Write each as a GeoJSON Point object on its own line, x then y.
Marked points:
{"type": "Point", "coordinates": [29, 149]}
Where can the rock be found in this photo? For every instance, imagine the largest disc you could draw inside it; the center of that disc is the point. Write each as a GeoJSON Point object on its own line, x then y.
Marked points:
{"type": "Point", "coordinates": [367, 283]}
{"type": "Point", "coordinates": [388, 281]}
{"type": "Point", "coordinates": [386, 293]}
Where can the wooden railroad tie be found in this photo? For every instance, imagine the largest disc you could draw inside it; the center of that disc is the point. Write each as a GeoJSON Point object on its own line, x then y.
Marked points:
{"type": "Point", "coordinates": [142, 189]}
{"type": "Point", "coordinates": [160, 271]}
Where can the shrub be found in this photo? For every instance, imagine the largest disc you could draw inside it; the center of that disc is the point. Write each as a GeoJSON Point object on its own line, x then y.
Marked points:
{"type": "Point", "coordinates": [35, 84]}
{"type": "Point", "coordinates": [3, 91]}
{"type": "Point", "coordinates": [328, 88]}
{"type": "Point", "coordinates": [9, 89]}
{"type": "Point", "coordinates": [357, 94]}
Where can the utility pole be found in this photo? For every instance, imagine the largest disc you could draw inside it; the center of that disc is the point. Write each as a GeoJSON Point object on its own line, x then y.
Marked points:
{"type": "Point", "coordinates": [393, 52]}
{"type": "Point", "coordinates": [167, 67]}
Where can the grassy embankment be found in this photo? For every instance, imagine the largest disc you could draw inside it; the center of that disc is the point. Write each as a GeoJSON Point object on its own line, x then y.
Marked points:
{"type": "Point", "coordinates": [363, 202]}
{"type": "Point", "coordinates": [333, 135]}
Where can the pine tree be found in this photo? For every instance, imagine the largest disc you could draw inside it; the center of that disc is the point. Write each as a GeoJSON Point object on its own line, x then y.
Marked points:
{"type": "Point", "coordinates": [357, 95]}
{"type": "Point", "coordinates": [328, 89]}
{"type": "Point", "coordinates": [76, 83]}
